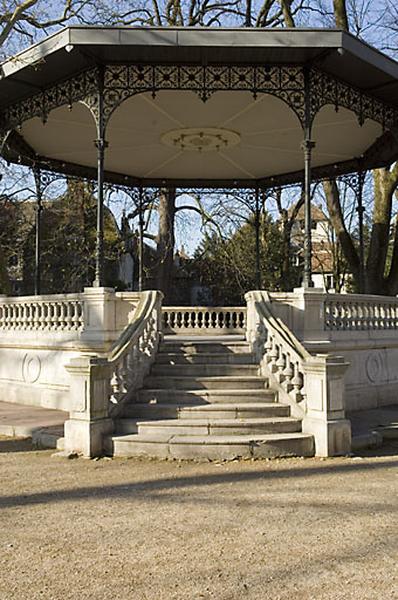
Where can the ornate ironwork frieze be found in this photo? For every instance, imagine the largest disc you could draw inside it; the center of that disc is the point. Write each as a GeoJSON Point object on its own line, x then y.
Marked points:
{"type": "Point", "coordinates": [123, 81]}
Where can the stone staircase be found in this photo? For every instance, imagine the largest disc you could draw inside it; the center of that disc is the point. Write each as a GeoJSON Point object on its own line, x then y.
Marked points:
{"type": "Point", "coordinates": [206, 399]}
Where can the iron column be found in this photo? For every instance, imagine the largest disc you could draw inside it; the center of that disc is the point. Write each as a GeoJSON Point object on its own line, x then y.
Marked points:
{"type": "Point", "coordinates": [257, 226]}
{"type": "Point", "coordinates": [39, 208]}
{"type": "Point", "coordinates": [307, 146]}
{"type": "Point", "coordinates": [361, 210]}
{"type": "Point", "coordinates": [141, 242]}
{"type": "Point", "coordinates": [101, 145]}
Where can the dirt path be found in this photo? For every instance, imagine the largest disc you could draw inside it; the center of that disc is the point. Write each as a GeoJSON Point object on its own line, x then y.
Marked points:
{"type": "Point", "coordinates": [139, 529]}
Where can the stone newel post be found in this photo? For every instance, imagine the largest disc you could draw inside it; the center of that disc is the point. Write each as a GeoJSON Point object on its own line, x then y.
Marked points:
{"type": "Point", "coordinates": [88, 419]}
{"type": "Point", "coordinates": [89, 373]}
{"type": "Point", "coordinates": [325, 415]}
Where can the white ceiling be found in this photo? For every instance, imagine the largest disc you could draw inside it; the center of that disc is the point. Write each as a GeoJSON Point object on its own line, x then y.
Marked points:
{"type": "Point", "coordinates": [270, 136]}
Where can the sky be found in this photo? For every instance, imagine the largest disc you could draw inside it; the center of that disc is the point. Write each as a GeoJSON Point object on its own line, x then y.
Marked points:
{"type": "Point", "coordinates": [369, 16]}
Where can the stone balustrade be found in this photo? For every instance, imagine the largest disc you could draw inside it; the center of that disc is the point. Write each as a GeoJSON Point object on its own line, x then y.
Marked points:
{"type": "Point", "coordinates": [313, 386]}
{"type": "Point", "coordinates": [286, 365]}
{"type": "Point", "coordinates": [101, 385]}
{"type": "Point", "coordinates": [52, 313]}
{"type": "Point", "coordinates": [360, 313]}
{"type": "Point", "coordinates": [135, 351]}
{"type": "Point", "coordinates": [204, 320]}
{"type": "Point", "coordinates": [275, 345]}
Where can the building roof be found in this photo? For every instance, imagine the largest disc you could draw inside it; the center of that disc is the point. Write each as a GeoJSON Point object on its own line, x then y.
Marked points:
{"type": "Point", "coordinates": [317, 213]}
{"type": "Point", "coordinates": [155, 133]}
{"type": "Point", "coordinates": [76, 48]}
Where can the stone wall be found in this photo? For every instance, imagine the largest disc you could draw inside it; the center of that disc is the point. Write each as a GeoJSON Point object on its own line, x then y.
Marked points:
{"type": "Point", "coordinates": [39, 335]}
{"type": "Point", "coordinates": [362, 329]}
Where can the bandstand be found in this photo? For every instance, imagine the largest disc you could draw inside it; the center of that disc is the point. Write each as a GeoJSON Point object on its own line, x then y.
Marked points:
{"type": "Point", "coordinates": [200, 108]}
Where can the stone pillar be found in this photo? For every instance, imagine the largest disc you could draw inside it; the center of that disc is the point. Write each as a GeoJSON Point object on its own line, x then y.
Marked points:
{"type": "Point", "coordinates": [89, 397]}
{"type": "Point", "coordinates": [100, 322]}
{"type": "Point", "coordinates": [309, 325]}
{"type": "Point", "coordinates": [325, 415]}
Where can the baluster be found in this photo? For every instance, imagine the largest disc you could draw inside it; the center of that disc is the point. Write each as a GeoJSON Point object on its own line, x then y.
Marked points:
{"type": "Point", "coordinates": [376, 317]}
{"type": "Point", "coordinates": [297, 383]}
{"type": "Point", "coordinates": [213, 320]}
{"type": "Point", "coordinates": [21, 316]}
{"type": "Point", "coordinates": [280, 365]}
{"type": "Point", "coordinates": [288, 374]}
{"type": "Point", "coordinates": [274, 354]}
{"type": "Point", "coordinates": [53, 313]}
{"type": "Point", "coordinates": [385, 316]}
{"type": "Point", "coordinates": [11, 317]}
{"type": "Point", "coordinates": [25, 315]}
{"type": "Point", "coordinates": [390, 317]}
{"type": "Point", "coordinates": [243, 319]}
{"type": "Point", "coordinates": [360, 315]}
{"type": "Point", "coordinates": [268, 348]}
{"type": "Point", "coordinates": [336, 316]}
{"type": "Point", "coordinates": [327, 311]}
{"type": "Point", "coordinates": [366, 316]}
{"type": "Point", "coordinates": [345, 315]}
{"type": "Point", "coordinates": [69, 324]}
{"type": "Point", "coordinates": [355, 314]}
{"type": "Point", "coordinates": [17, 315]}
{"type": "Point", "coordinates": [115, 385]}
{"type": "Point", "coordinates": [200, 319]}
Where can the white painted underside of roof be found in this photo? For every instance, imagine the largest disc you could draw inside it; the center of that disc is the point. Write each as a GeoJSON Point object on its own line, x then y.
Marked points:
{"type": "Point", "coordinates": [270, 136]}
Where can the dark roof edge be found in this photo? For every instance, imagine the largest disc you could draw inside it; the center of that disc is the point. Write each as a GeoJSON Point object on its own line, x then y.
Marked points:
{"type": "Point", "coordinates": [62, 38]}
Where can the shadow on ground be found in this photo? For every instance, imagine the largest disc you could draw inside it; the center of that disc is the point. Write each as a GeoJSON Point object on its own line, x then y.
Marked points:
{"type": "Point", "coordinates": [389, 448]}
{"type": "Point", "coordinates": [163, 487]}
{"type": "Point", "coordinates": [15, 445]}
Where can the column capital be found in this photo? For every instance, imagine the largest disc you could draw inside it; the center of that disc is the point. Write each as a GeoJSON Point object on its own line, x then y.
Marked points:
{"type": "Point", "coordinates": [308, 145]}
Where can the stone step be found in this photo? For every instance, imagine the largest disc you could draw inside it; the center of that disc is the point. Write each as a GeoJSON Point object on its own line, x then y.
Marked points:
{"type": "Point", "coordinates": [205, 383]}
{"type": "Point", "coordinates": [156, 410]}
{"type": "Point", "coordinates": [212, 447]}
{"type": "Point", "coordinates": [180, 358]}
{"type": "Point", "coordinates": [203, 397]}
{"type": "Point", "coordinates": [207, 347]}
{"type": "Point", "coordinates": [204, 370]}
{"type": "Point", "coordinates": [234, 411]}
{"type": "Point", "coordinates": [218, 426]}
{"type": "Point", "coordinates": [151, 410]}
{"type": "Point", "coordinates": [215, 425]}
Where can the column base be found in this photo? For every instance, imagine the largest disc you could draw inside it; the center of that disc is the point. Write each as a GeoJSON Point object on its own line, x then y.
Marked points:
{"type": "Point", "coordinates": [86, 437]}
{"type": "Point", "coordinates": [332, 438]}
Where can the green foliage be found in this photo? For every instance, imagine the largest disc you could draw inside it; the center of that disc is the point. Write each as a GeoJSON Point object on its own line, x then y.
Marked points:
{"type": "Point", "coordinates": [68, 243]}
{"type": "Point", "coordinates": [228, 267]}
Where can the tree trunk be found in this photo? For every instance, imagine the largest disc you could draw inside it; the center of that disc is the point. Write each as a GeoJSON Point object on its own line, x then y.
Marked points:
{"type": "Point", "coordinates": [379, 239]}
{"type": "Point", "coordinates": [343, 237]}
{"type": "Point", "coordinates": [340, 14]}
{"type": "Point", "coordinates": [287, 13]}
{"type": "Point", "coordinates": [165, 242]}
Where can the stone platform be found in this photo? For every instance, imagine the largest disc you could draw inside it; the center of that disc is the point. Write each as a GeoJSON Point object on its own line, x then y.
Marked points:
{"type": "Point", "coordinates": [44, 426]}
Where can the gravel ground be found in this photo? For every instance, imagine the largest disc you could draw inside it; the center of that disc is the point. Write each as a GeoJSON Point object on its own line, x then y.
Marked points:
{"type": "Point", "coordinates": [153, 530]}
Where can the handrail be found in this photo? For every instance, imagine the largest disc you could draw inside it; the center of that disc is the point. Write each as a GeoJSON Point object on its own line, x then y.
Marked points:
{"type": "Point", "coordinates": [133, 353]}
{"type": "Point", "coordinates": [130, 333]}
{"type": "Point", "coordinates": [279, 349]}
